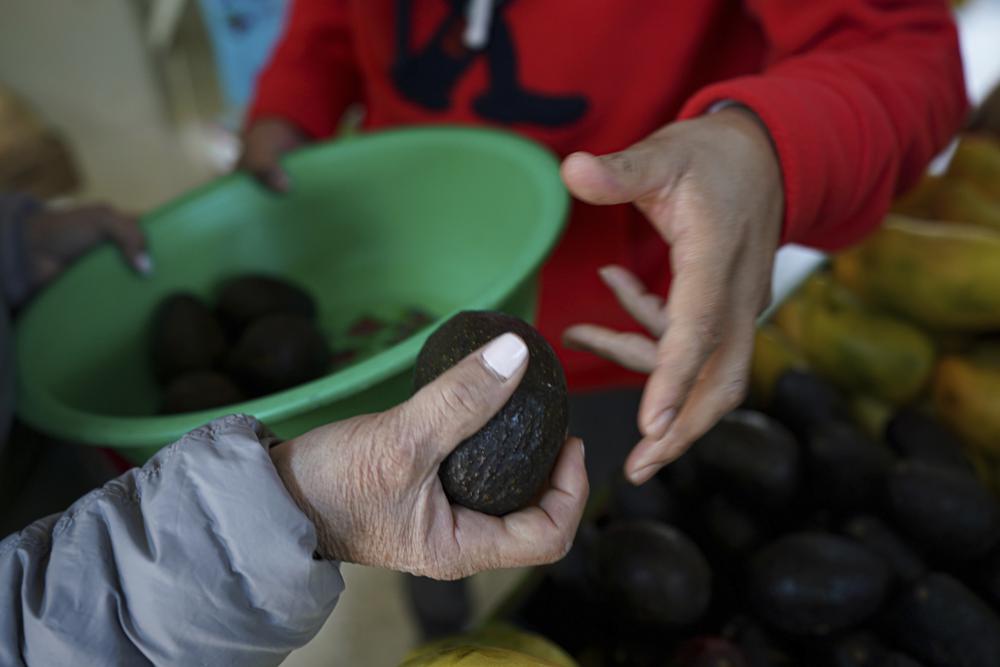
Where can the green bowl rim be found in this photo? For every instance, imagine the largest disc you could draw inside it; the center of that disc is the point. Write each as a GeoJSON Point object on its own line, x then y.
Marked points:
{"type": "Point", "coordinates": [40, 408]}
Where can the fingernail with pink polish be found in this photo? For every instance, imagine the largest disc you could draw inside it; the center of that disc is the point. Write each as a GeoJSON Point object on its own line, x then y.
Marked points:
{"type": "Point", "coordinates": [505, 355]}
{"type": "Point", "coordinates": [143, 264]}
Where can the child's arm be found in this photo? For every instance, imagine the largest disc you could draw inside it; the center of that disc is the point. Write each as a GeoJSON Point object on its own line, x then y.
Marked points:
{"type": "Point", "coordinates": [311, 79]}
{"type": "Point", "coordinates": [858, 96]}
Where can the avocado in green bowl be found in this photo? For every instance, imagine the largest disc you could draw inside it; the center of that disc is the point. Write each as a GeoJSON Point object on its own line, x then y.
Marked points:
{"type": "Point", "coordinates": [444, 219]}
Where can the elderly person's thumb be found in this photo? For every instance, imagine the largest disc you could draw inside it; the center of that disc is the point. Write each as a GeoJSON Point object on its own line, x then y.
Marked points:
{"type": "Point", "coordinates": [461, 401]}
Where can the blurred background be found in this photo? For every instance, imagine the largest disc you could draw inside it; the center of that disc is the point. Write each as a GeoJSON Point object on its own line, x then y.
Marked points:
{"type": "Point", "coordinates": [137, 101]}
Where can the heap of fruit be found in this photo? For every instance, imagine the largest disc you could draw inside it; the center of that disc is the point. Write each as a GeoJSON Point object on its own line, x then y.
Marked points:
{"type": "Point", "coordinates": [262, 336]}
{"type": "Point", "coordinates": [848, 520]}
{"type": "Point", "coordinates": [911, 317]}
{"type": "Point", "coordinates": [787, 537]}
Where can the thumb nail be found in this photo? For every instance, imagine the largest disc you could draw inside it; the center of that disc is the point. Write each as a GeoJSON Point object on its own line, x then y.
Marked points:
{"type": "Point", "coordinates": [505, 355]}
{"type": "Point", "coordinates": [143, 263]}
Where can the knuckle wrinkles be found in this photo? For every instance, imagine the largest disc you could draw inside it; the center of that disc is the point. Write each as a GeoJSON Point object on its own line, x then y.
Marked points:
{"type": "Point", "coordinates": [395, 465]}
{"type": "Point", "coordinates": [461, 396]}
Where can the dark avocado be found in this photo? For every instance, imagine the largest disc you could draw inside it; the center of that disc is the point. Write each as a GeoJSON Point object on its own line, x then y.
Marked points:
{"type": "Point", "coordinates": [918, 436]}
{"type": "Point", "coordinates": [200, 390]}
{"type": "Point", "coordinates": [503, 466]}
{"type": "Point", "coordinates": [803, 400]}
{"type": "Point", "coordinates": [186, 337]}
{"type": "Point", "coordinates": [631, 651]}
{"type": "Point", "coordinates": [575, 570]}
{"type": "Point", "coordinates": [278, 352]}
{"type": "Point", "coordinates": [847, 470]}
{"type": "Point", "coordinates": [729, 529]}
{"type": "Point", "coordinates": [709, 652]}
{"type": "Point", "coordinates": [861, 649]}
{"type": "Point", "coordinates": [894, 659]}
{"type": "Point", "coordinates": [750, 457]}
{"type": "Point", "coordinates": [683, 479]}
{"type": "Point", "coordinates": [947, 512]}
{"type": "Point", "coordinates": [758, 647]}
{"type": "Point", "coordinates": [651, 500]}
{"type": "Point", "coordinates": [816, 584]}
{"type": "Point", "coordinates": [987, 578]}
{"type": "Point", "coordinates": [942, 623]}
{"type": "Point", "coordinates": [247, 298]}
{"type": "Point", "coordinates": [652, 574]}
{"type": "Point", "coordinates": [878, 538]}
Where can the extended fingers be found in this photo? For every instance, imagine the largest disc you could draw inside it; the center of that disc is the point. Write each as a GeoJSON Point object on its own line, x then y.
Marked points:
{"type": "Point", "coordinates": [631, 350]}
{"type": "Point", "coordinates": [647, 308]}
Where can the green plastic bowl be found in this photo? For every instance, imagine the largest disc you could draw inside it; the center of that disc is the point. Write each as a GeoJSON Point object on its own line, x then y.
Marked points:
{"type": "Point", "coordinates": [446, 219]}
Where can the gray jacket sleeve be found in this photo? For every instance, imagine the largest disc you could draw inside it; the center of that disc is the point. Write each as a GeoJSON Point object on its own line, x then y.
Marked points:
{"type": "Point", "coordinates": [200, 557]}
{"type": "Point", "coordinates": [15, 279]}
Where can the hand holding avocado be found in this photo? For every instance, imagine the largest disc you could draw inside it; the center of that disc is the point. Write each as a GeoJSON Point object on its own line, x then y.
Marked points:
{"type": "Point", "coordinates": [371, 485]}
{"type": "Point", "coordinates": [713, 189]}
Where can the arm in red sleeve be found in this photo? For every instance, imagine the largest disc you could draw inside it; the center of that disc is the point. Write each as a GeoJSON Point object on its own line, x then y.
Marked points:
{"type": "Point", "coordinates": [312, 77]}
{"type": "Point", "coordinates": [858, 96]}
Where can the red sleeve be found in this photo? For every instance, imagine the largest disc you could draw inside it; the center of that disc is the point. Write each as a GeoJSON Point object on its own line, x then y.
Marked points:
{"type": "Point", "coordinates": [312, 77]}
{"type": "Point", "coordinates": [858, 95]}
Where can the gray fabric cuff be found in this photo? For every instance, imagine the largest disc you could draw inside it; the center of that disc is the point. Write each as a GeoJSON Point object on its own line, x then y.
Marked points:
{"type": "Point", "coordinates": [200, 557]}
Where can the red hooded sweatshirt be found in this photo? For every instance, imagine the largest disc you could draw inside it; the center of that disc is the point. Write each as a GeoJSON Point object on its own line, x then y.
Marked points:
{"type": "Point", "coordinates": [858, 96]}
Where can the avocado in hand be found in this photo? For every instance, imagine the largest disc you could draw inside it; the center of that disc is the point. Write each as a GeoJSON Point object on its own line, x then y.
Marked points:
{"type": "Point", "coordinates": [245, 299]}
{"type": "Point", "coordinates": [186, 337]}
{"type": "Point", "coordinates": [278, 352]}
{"type": "Point", "coordinates": [502, 467]}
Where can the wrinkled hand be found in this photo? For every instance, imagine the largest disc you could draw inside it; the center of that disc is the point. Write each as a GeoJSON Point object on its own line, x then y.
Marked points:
{"type": "Point", "coordinates": [265, 143]}
{"type": "Point", "coordinates": [712, 187]}
{"type": "Point", "coordinates": [370, 484]}
{"type": "Point", "coordinates": [54, 238]}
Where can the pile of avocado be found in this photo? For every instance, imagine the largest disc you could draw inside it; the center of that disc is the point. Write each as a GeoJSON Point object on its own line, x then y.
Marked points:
{"type": "Point", "coordinates": [787, 538]}
{"type": "Point", "coordinates": [260, 338]}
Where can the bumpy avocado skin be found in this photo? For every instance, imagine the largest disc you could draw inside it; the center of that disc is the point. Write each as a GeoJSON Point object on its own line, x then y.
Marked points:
{"type": "Point", "coordinates": [504, 465]}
